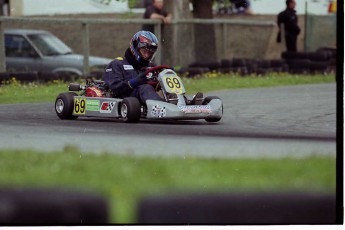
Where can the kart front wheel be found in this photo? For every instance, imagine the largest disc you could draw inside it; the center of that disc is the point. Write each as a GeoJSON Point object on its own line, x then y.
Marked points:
{"type": "Point", "coordinates": [130, 110]}
{"type": "Point", "coordinates": [205, 102]}
{"type": "Point", "coordinates": [64, 105]}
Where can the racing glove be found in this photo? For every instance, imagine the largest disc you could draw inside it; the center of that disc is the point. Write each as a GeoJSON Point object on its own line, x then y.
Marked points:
{"type": "Point", "coordinates": [139, 80]}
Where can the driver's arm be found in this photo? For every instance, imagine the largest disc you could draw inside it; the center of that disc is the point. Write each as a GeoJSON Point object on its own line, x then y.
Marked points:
{"type": "Point", "coordinates": [117, 79]}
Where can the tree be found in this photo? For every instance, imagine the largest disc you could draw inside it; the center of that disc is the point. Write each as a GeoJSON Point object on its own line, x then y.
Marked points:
{"type": "Point", "coordinates": [205, 48]}
{"type": "Point", "coordinates": [191, 43]}
{"type": "Point", "coordinates": [2, 4]}
{"type": "Point", "coordinates": [179, 48]}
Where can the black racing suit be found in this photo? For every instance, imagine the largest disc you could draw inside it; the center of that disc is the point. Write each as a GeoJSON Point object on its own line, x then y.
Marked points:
{"type": "Point", "coordinates": [147, 15]}
{"type": "Point", "coordinates": [289, 18]}
{"type": "Point", "coordinates": [120, 71]}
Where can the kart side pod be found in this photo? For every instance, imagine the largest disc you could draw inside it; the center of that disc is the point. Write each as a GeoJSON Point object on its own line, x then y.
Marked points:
{"type": "Point", "coordinates": [211, 111]}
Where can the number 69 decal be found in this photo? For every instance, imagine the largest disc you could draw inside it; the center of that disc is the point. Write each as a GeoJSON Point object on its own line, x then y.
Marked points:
{"type": "Point", "coordinates": [173, 84]}
{"type": "Point", "coordinates": [79, 106]}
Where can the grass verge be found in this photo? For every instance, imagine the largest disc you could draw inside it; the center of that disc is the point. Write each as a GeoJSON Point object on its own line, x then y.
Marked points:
{"type": "Point", "coordinates": [29, 93]}
{"type": "Point", "coordinates": [124, 179]}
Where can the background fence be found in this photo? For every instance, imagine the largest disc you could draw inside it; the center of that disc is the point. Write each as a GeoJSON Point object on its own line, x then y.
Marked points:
{"type": "Point", "coordinates": [241, 38]}
{"type": "Point", "coordinates": [320, 31]}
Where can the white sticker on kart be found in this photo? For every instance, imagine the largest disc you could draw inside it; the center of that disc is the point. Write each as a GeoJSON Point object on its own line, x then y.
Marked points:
{"type": "Point", "coordinates": [128, 67]}
{"type": "Point", "coordinates": [158, 111]}
{"type": "Point", "coordinates": [195, 108]}
{"type": "Point", "coordinates": [107, 107]}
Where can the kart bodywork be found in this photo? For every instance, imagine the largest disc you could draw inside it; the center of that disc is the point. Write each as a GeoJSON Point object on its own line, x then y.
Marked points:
{"type": "Point", "coordinates": [98, 101]}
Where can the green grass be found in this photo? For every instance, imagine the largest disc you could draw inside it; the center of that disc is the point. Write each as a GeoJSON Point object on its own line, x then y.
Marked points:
{"type": "Point", "coordinates": [123, 180]}
{"type": "Point", "coordinates": [28, 93]}
{"type": "Point", "coordinates": [215, 81]}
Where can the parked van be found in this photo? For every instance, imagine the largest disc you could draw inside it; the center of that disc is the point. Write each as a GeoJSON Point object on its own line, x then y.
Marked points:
{"type": "Point", "coordinates": [41, 51]}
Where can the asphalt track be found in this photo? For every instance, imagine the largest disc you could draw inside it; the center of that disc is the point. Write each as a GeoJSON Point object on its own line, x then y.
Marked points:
{"type": "Point", "coordinates": [274, 122]}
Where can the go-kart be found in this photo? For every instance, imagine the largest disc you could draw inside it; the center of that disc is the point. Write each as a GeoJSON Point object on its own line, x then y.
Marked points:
{"type": "Point", "coordinates": [97, 100]}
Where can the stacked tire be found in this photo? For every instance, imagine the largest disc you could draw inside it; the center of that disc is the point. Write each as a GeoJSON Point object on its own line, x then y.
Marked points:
{"type": "Point", "coordinates": [234, 208]}
{"type": "Point", "coordinates": [242, 66]}
{"type": "Point", "coordinates": [321, 61]}
{"type": "Point", "coordinates": [52, 206]}
{"type": "Point", "coordinates": [235, 65]}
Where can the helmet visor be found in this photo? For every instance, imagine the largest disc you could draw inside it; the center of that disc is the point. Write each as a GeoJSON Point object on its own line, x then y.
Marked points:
{"type": "Point", "coordinates": [147, 52]}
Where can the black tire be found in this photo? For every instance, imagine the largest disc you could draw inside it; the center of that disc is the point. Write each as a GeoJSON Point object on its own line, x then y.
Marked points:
{"type": "Point", "coordinates": [51, 206]}
{"type": "Point", "coordinates": [25, 76]}
{"type": "Point", "coordinates": [205, 102]}
{"type": "Point", "coordinates": [236, 208]}
{"type": "Point", "coordinates": [64, 105]}
{"type": "Point", "coordinates": [277, 63]}
{"type": "Point", "coordinates": [332, 52]}
{"type": "Point", "coordinates": [319, 67]}
{"type": "Point", "coordinates": [287, 55]}
{"type": "Point", "coordinates": [4, 77]}
{"type": "Point", "coordinates": [261, 71]}
{"type": "Point", "coordinates": [212, 65]}
{"type": "Point", "coordinates": [68, 76]}
{"type": "Point", "coordinates": [238, 62]}
{"type": "Point", "coordinates": [47, 77]}
{"type": "Point", "coordinates": [193, 71]}
{"type": "Point", "coordinates": [318, 56]}
{"type": "Point", "coordinates": [229, 70]}
{"type": "Point", "coordinates": [299, 63]}
{"type": "Point", "coordinates": [225, 63]}
{"type": "Point", "coordinates": [264, 64]}
{"type": "Point", "coordinates": [130, 109]}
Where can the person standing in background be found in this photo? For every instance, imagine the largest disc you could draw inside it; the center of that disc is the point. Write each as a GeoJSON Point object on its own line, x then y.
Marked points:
{"type": "Point", "coordinates": [147, 3]}
{"type": "Point", "coordinates": [242, 6]}
{"type": "Point", "coordinates": [288, 18]}
{"type": "Point", "coordinates": [156, 11]}
{"type": "Point", "coordinates": [4, 7]}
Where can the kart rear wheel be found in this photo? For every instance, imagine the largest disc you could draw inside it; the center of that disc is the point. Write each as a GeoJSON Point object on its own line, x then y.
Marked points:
{"type": "Point", "coordinates": [205, 102]}
{"type": "Point", "coordinates": [130, 110]}
{"type": "Point", "coordinates": [64, 105]}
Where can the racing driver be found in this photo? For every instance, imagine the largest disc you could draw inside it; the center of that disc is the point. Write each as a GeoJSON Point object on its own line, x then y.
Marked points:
{"type": "Point", "coordinates": [125, 76]}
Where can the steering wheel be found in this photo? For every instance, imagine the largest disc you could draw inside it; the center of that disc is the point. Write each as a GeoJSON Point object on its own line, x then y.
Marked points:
{"type": "Point", "coordinates": [155, 71]}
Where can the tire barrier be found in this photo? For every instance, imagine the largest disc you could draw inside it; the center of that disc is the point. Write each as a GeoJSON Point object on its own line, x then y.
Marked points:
{"type": "Point", "coordinates": [27, 77]}
{"type": "Point", "coordinates": [241, 66]}
{"type": "Point", "coordinates": [51, 206]}
{"type": "Point", "coordinates": [287, 55]}
{"type": "Point", "coordinates": [322, 61]}
{"type": "Point", "coordinates": [299, 66]}
{"type": "Point", "coordinates": [239, 70]}
{"type": "Point", "coordinates": [331, 52]}
{"type": "Point", "coordinates": [267, 208]}
{"type": "Point", "coordinates": [4, 77]}
{"type": "Point", "coordinates": [211, 65]}
{"type": "Point", "coordinates": [193, 71]}
{"type": "Point", "coordinates": [44, 77]}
